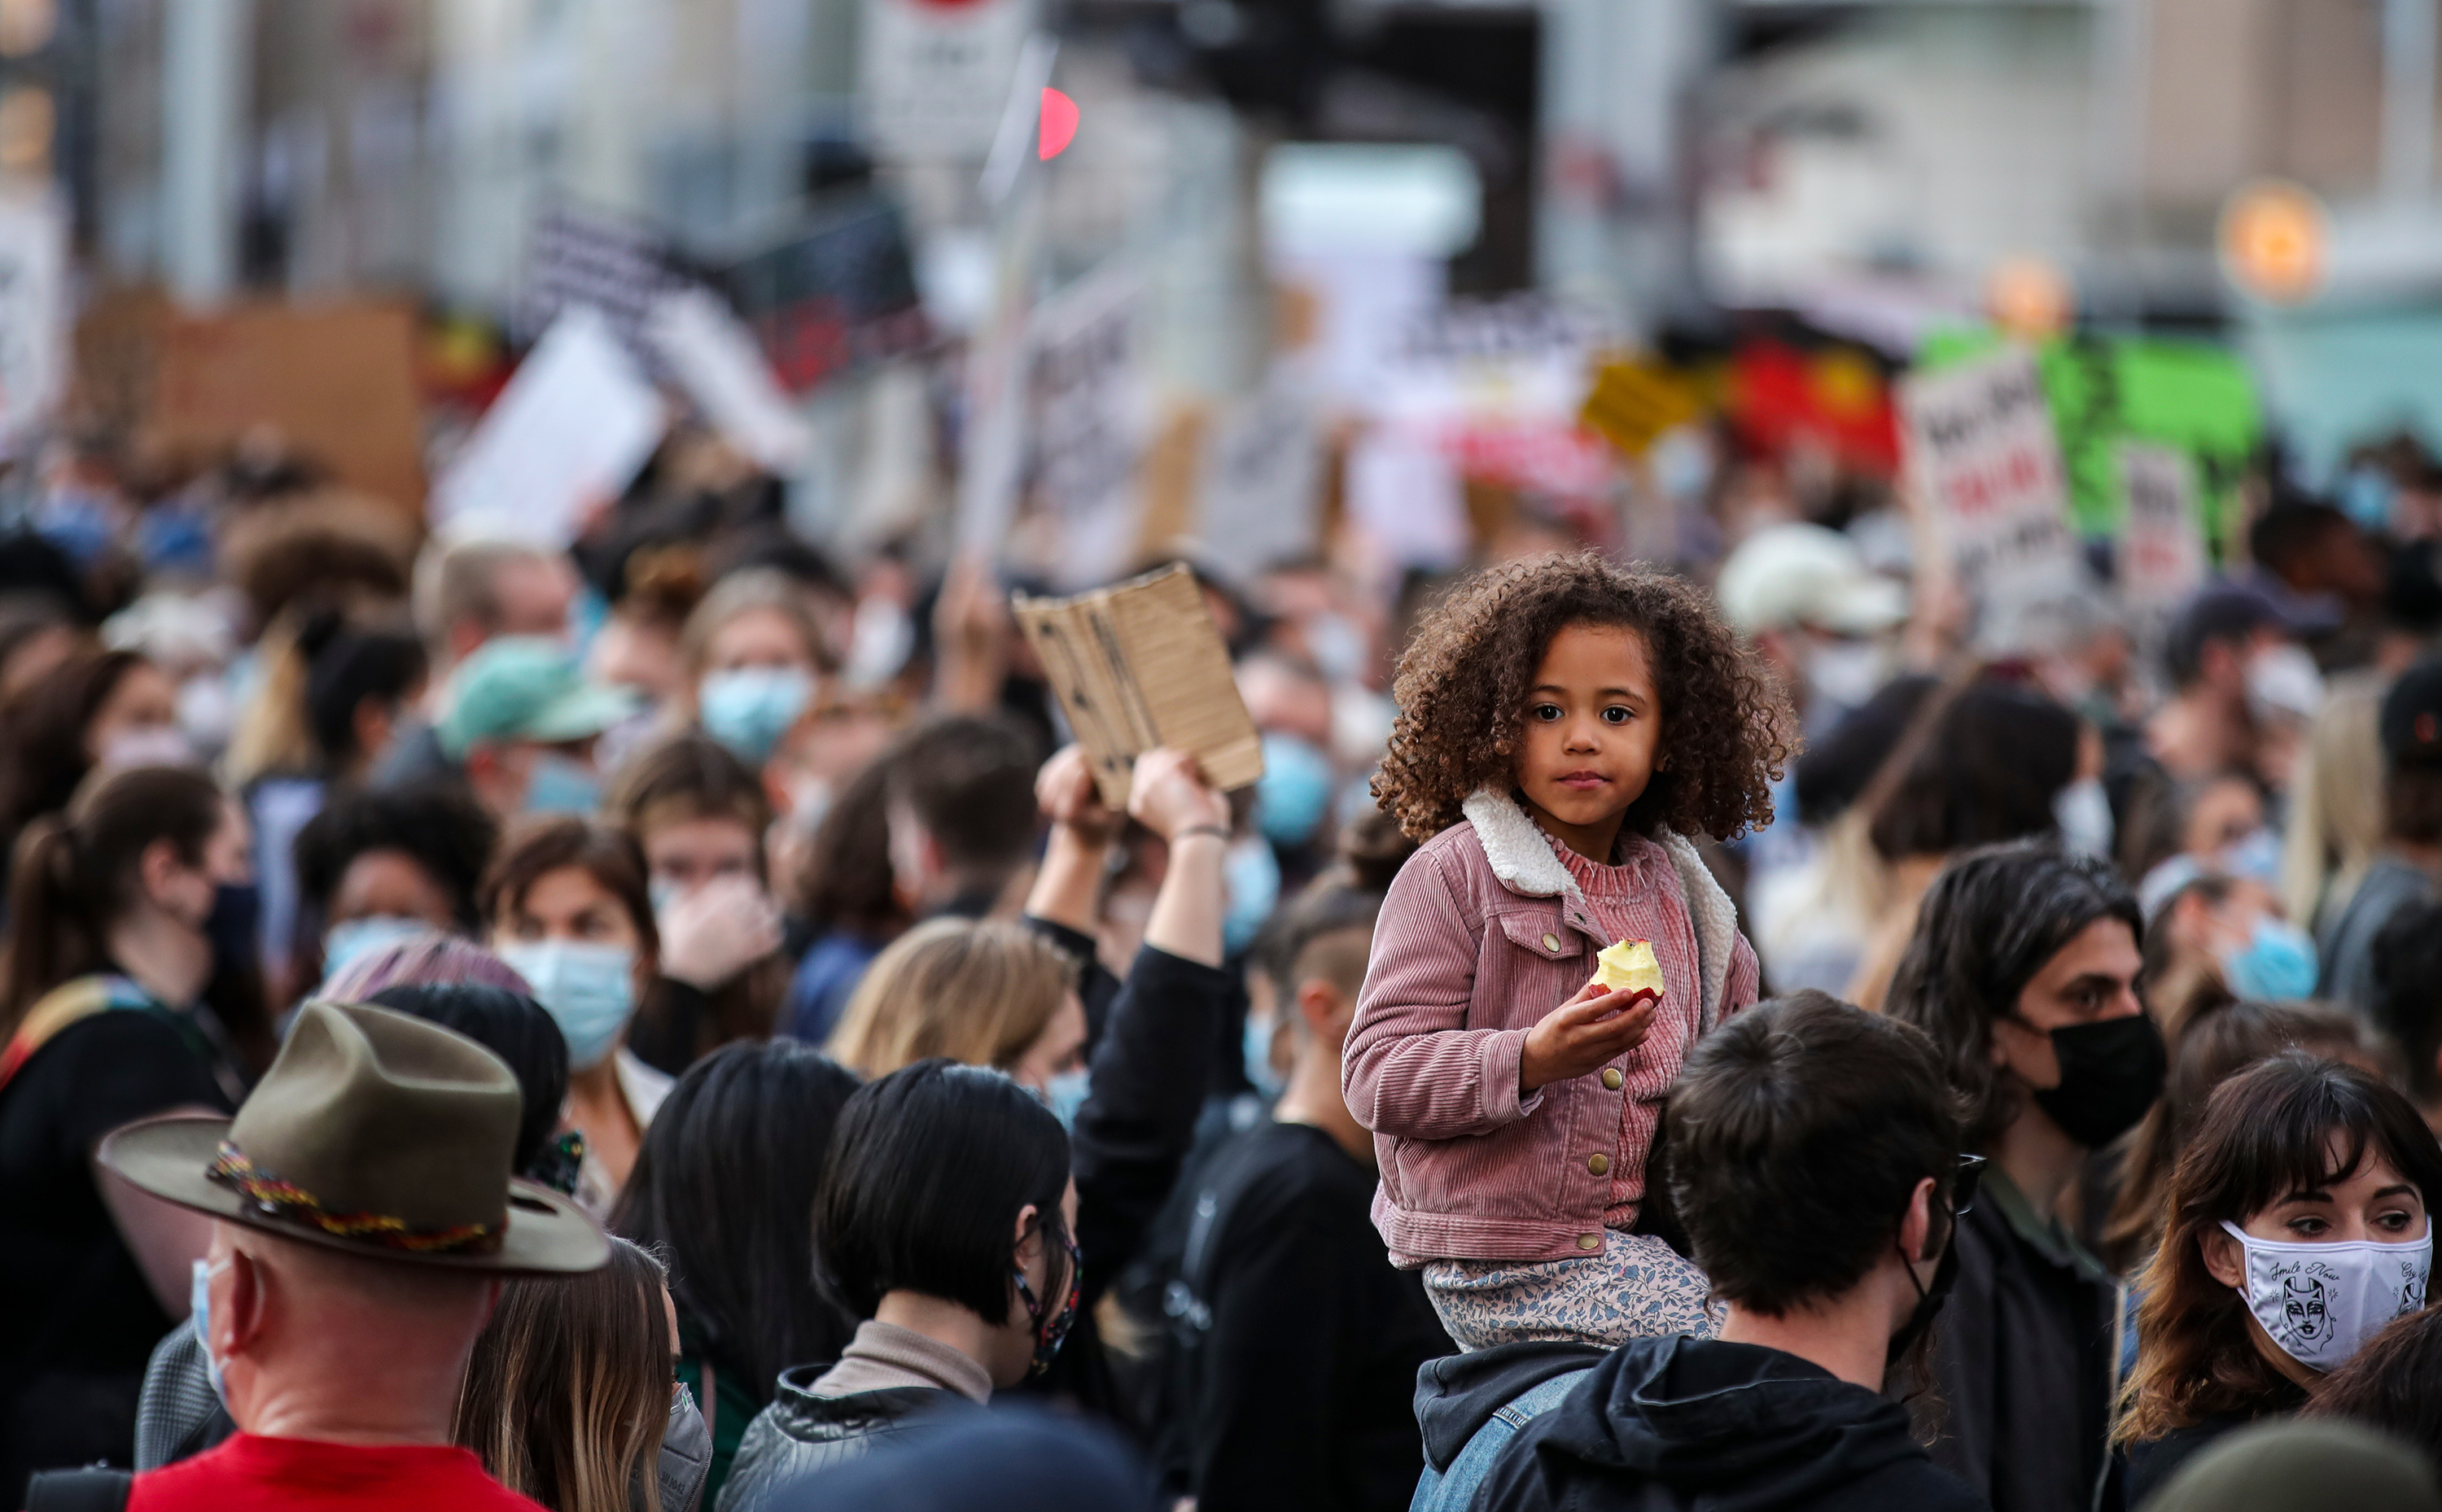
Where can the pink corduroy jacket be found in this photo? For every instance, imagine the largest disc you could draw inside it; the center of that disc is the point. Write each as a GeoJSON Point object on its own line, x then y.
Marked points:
{"type": "Point", "coordinates": [1485, 932]}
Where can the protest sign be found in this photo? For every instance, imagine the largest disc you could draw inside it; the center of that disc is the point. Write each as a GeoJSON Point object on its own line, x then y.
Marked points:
{"type": "Point", "coordinates": [336, 382]}
{"type": "Point", "coordinates": [565, 437]}
{"type": "Point", "coordinates": [1259, 485]}
{"type": "Point", "coordinates": [33, 313]}
{"type": "Point", "coordinates": [716, 360]}
{"type": "Point", "coordinates": [1090, 424]}
{"type": "Point", "coordinates": [836, 294]}
{"type": "Point", "coordinates": [1633, 403]}
{"type": "Point", "coordinates": [933, 74]}
{"type": "Point", "coordinates": [1142, 666]}
{"type": "Point", "coordinates": [1984, 462]}
{"type": "Point", "coordinates": [2162, 555]}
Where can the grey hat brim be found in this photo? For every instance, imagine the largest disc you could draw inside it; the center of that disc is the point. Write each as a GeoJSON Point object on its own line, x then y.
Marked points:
{"type": "Point", "coordinates": [547, 1235]}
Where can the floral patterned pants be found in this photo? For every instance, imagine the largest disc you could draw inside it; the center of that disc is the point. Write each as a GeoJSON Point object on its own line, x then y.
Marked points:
{"type": "Point", "coordinates": [1638, 1288]}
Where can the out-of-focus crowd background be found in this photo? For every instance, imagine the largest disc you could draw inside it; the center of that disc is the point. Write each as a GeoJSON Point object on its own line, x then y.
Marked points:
{"type": "Point", "coordinates": [1990, 331]}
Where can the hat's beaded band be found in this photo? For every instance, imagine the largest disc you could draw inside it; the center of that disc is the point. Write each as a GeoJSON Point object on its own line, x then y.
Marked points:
{"type": "Point", "coordinates": [279, 1199]}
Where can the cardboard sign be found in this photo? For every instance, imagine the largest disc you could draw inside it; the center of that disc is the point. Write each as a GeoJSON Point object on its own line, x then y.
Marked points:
{"type": "Point", "coordinates": [1142, 665]}
{"type": "Point", "coordinates": [1981, 452]}
{"type": "Point", "coordinates": [335, 381]}
{"type": "Point", "coordinates": [2162, 555]}
{"type": "Point", "coordinates": [566, 437]}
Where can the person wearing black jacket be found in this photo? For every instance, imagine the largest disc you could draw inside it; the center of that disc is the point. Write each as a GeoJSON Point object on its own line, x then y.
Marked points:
{"type": "Point", "coordinates": [1296, 1345]}
{"type": "Point", "coordinates": [1813, 1162]}
{"type": "Point", "coordinates": [2023, 971]}
{"type": "Point", "coordinates": [1151, 1037]}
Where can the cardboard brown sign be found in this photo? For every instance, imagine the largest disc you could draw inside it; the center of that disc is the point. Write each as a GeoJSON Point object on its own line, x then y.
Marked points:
{"type": "Point", "coordinates": [1142, 666]}
{"type": "Point", "coordinates": [336, 382]}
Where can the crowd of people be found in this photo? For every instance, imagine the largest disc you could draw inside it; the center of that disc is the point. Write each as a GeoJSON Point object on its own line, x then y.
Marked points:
{"type": "Point", "coordinates": [673, 1023]}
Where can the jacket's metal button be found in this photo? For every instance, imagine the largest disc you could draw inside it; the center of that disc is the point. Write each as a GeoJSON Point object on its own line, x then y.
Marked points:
{"type": "Point", "coordinates": [1552, 943]}
{"type": "Point", "coordinates": [1612, 1078]}
{"type": "Point", "coordinates": [1598, 1164]}
{"type": "Point", "coordinates": [1590, 1241]}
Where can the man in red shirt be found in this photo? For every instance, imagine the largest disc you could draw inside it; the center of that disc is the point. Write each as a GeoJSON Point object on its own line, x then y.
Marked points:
{"type": "Point", "coordinates": [364, 1217]}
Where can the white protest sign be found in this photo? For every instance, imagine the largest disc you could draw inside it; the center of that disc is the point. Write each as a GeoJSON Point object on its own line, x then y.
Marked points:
{"type": "Point", "coordinates": [933, 74]}
{"type": "Point", "coordinates": [565, 437]}
{"type": "Point", "coordinates": [1406, 494]}
{"type": "Point", "coordinates": [1259, 481]}
{"type": "Point", "coordinates": [33, 311]}
{"type": "Point", "coordinates": [714, 358]}
{"type": "Point", "coordinates": [1985, 460]}
{"type": "Point", "coordinates": [1091, 423]}
{"type": "Point", "coordinates": [2162, 558]}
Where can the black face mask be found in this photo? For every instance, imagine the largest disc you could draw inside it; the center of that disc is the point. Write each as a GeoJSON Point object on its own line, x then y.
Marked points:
{"type": "Point", "coordinates": [237, 912]}
{"type": "Point", "coordinates": [2110, 1073]}
{"type": "Point", "coordinates": [1928, 1300]}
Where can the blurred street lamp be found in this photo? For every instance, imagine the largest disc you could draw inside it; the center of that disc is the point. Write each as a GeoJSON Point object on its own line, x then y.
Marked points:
{"type": "Point", "coordinates": [2274, 241]}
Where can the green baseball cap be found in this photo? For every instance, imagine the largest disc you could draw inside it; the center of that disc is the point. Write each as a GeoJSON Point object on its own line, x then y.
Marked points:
{"type": "Point", "coordinates": [526, 687]}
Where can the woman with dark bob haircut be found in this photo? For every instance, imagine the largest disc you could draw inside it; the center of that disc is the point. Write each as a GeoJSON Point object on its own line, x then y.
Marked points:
{"type": "Point", "coordinates": [2297, 1227]}
{"type": "Point", "coordinates": [945, 1222]}
{"type": "Point", "coordinates": [2023, 970]}
{"type": "Point", "coordinates": [725, 1188]}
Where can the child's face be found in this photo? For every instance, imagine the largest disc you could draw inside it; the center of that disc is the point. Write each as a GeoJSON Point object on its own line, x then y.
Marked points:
{"type": "Point", "coordinates": [1594, 726]}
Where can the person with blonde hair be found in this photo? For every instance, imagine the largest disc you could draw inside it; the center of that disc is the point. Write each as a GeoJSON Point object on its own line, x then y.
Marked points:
{"type": "Point", "coordinates": [568, 1397]}
{"type": "Point", "coordinates": [984, 994]}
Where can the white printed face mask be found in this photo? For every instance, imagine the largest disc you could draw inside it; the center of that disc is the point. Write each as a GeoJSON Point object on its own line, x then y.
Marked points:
{"type": "Point", "coordinates": [2319, 1303]}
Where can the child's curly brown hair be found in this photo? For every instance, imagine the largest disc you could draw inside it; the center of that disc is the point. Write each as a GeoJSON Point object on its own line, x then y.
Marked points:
{"type": "Point", "coordinates": [1727, 732]}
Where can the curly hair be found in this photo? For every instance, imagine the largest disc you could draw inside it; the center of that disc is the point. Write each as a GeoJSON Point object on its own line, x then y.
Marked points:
{"type": "Point", "coordinates": [1727, 732]}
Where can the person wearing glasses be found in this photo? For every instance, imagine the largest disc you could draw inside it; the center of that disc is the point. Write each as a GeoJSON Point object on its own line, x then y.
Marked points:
{"type": "Point", "coordinates": [1814, 1165]}
{"type": "Point", "coordinates": [2023, 972]}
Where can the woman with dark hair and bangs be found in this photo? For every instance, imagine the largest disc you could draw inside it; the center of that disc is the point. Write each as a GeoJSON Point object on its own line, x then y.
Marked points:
{"type": "Point", "coordinates": [2298, 1226]}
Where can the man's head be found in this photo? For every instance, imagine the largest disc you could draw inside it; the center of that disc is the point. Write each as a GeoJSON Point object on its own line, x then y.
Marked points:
{"type": "Point", "coordinates": [522, 719]}
{"type": "Point", "coordinates": [282, 1314]}
{"type": "Point", "coordinates": [2408, 999]}
{"type": "Point", "coordinates": [471, 592]}
{"type": "Point", "coordinates": [2411, 727]}
{"type": "Point", "coordinates": [364, 1212]}
{"type": "Point", "coordinates": [1812, 1151]}
{"type": "Point", "coordinates": [2216, 634]}
{"type": "Point", "coordinates": [961, 807]}
{"type": "Point", "coordinates": [1314, 959]}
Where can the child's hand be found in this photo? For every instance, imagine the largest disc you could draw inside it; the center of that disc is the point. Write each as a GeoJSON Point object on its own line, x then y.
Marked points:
{"type": "Point", "coordinates": [1584, 1034]}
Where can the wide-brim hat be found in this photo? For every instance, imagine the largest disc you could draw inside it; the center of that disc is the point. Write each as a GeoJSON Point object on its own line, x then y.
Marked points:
{"type": "Point", "coordinates": [375, 1134]}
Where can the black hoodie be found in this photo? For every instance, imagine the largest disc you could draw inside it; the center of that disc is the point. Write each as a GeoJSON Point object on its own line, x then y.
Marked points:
{"type": "Point", "coordinates": [1692, 1423]}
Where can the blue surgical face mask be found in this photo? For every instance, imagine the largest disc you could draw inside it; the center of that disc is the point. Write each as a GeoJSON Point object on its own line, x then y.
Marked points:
{"type": "Point", "coordinates": [749, 708]}
{"type": "Point", "coordinates": [2254, 855]}
{"type": "Point", "coordinates": [1251, 875]}
{"type": "Point", "coordinates": [2276, 963]}
{"type": "Point", "coordinates": [560, 784]}
{"type": "Point", "coordinates": [1256, 1046]}
{"type": "Point", "coordinates": [199, 1312]}
{"type": "Point", "coordinates": [351, 939]}
{"type": "Point", "coordinates": [589, 991]}
{"type": "Point", "coordinates": [1294, 793]}
{"type": "Point", "coordinates": [1066, 1093]}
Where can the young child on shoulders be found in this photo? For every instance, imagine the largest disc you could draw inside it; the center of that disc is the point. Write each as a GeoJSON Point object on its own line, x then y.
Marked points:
{"type": "Point", "coordinates": [1568, 729]}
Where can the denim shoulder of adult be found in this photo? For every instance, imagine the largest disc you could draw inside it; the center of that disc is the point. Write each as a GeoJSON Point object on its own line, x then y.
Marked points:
{"type": "Point", "coordinates": [800, 1433]}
